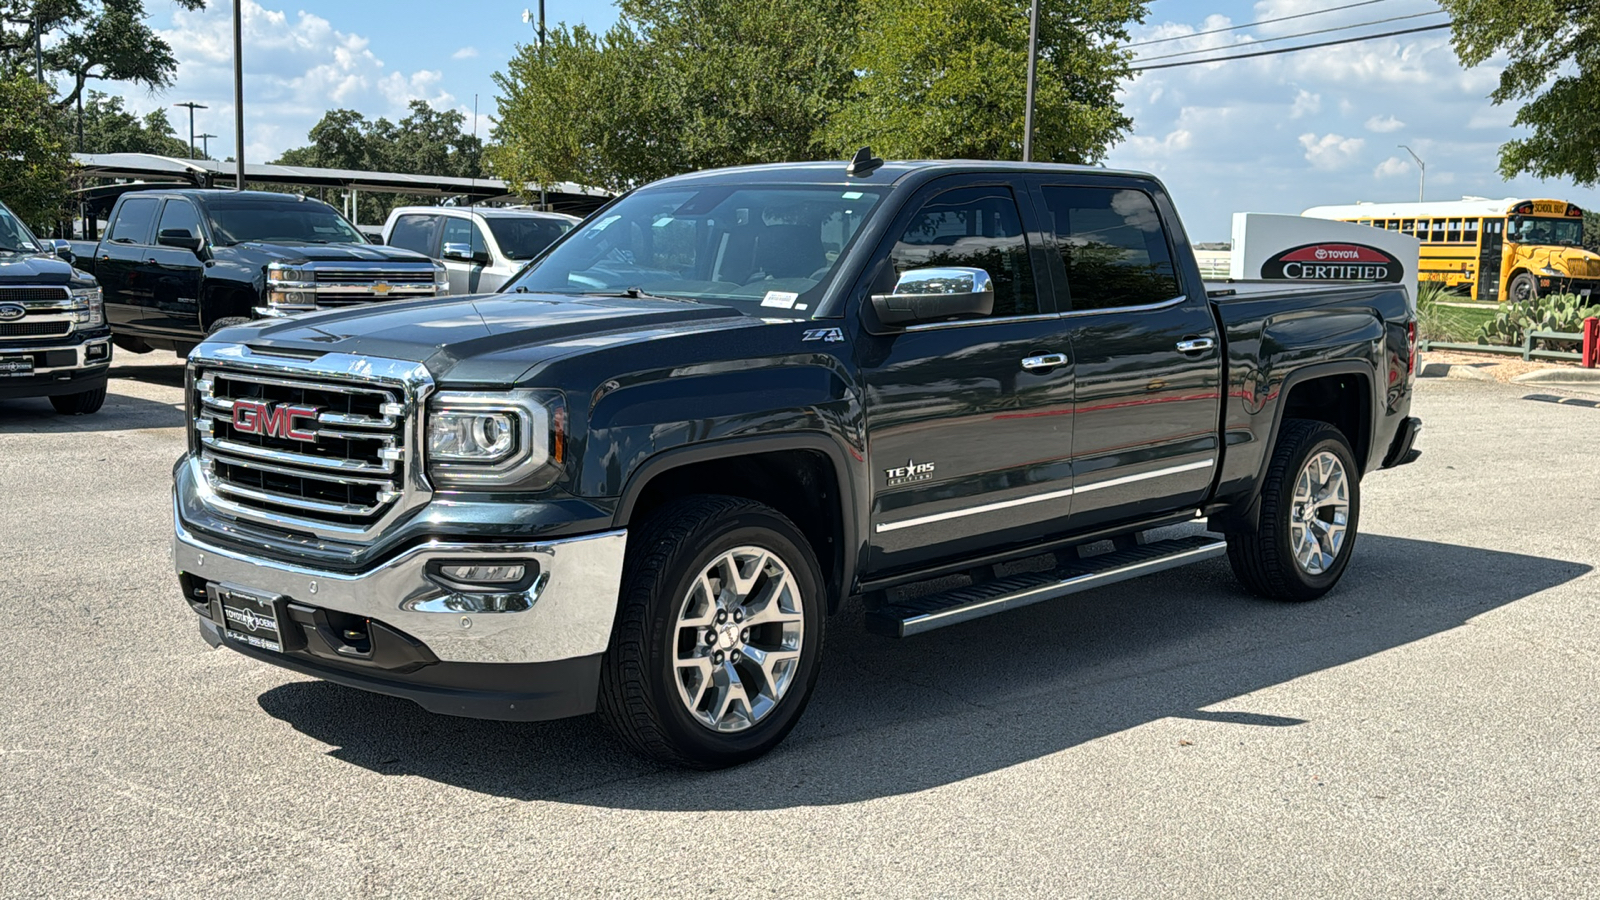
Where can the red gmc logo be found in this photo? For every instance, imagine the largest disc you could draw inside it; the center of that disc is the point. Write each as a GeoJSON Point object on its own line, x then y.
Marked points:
{"type": "Point", "coordinates": [281, 421]}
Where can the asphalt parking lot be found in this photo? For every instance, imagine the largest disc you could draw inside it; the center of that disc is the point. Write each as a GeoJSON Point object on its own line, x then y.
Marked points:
{"type": "Point", "coordinates": [1427, 729]}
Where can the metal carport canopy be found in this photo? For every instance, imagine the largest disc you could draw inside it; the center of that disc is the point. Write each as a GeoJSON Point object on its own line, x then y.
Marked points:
{"type": "Point", "coordinates": [207, 173]}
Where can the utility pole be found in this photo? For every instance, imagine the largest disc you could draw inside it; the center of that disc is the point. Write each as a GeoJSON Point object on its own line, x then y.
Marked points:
{"type": "Point", "coordinates": [205, 145]}
{"type": "Point", "coordinates": [1033, 60]}
{"type": "Point", "coordinates": [238, 97]}
{"type": "Point", "coordinates": [191, 106]}
{"type": "Point", "coordinates": [527, 18]}
{"type": "Point", "coordinates": [1422, 169]}
{"type": "Point", "coordinates": [38, 46]}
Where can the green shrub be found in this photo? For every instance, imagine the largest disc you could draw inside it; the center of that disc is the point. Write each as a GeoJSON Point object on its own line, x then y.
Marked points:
{"type": "Point", "coordinates": [1556, 312]}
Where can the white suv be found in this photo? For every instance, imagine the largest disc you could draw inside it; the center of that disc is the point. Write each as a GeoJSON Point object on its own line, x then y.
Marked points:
{"type": "Point", "coordinates": [481, 247]}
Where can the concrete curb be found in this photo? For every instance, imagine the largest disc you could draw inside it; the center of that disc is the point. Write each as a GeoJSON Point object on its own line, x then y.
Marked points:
{"type": "Point", "coordinates": [1458, 371]}
{"type": "Point", "coordinates": [1582, 377]}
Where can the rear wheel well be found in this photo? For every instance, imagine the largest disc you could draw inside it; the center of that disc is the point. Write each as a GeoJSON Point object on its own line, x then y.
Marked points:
{"type": "Point", "coordinates": [1343, 401]}
{"type": "Point", "coordinates": [801, 484]}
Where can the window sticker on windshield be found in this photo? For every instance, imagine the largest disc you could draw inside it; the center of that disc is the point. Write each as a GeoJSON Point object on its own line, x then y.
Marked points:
{"type": "Point", "coordinates": [605, 223]}
{"type": "Point", "coordinates": [780, 299]}
{"type": "Point", "coordinates": [853, 195]}
{"type": "Point", "coordinates": [662, 222]}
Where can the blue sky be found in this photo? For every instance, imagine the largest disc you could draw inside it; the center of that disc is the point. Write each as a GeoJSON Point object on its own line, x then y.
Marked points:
{"type": "Point", "coordinates": [1274, 134]}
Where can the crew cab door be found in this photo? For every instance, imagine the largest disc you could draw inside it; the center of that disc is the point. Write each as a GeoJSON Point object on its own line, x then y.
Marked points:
{"type": "Point", "coordinates": [175, 271]}
{"type": "Point", "coordinates": [1145, 344]}
{"type": "Point", "coordinates": [465, 274]}
{"type": "Point", "coordinates": [968, 422]}
{"type": "Point", "coordinates": [120, 257]}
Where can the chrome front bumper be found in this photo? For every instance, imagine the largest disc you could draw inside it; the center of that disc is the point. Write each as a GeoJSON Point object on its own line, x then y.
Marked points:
{"type": "Point", "coordinates": [566, 612]}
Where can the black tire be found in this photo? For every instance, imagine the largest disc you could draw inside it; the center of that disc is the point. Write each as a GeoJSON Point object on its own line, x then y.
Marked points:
{"type": "Point", "coordinates": [1522, 288]}
{"type": "Point", "coordinates": [639, 693]}
{"type": "Point", "coordinates": [227, 322]}
{"type": "Point", "coordinates": [1264, 560]}
{"type": "Point", "coordinates": [80, 404]}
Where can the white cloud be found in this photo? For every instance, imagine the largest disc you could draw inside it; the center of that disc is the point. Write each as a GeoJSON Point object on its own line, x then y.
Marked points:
{"type": "Point", "coordinates": [1331, 151]}
{"type": "Point", "coordinates": [296, 68]}
{"type": "Point", "coordinates": [465, 53]}
{"type": "Point", "coordinates": [1393, 166]}
{"type": "Point", "coordinates": [1305, 104]}
{"type": "Point", "coordinates": [1384, 124]}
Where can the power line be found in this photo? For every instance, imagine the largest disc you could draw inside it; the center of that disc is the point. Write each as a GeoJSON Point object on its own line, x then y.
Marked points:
{"type": "Point", "coordinates": [1349, 40]}
{"type": "Point", "coordinates": [1315, 12]}
{"type": "Point", "coordinates": [1287, 37]}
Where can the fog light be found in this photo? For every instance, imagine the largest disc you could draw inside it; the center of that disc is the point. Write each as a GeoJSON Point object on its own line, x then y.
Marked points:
{"type": "Point", "coordinates": [502, 574]}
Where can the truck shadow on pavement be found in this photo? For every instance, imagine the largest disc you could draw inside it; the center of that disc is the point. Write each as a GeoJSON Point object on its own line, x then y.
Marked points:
{"type": "Point", "coordinates": [896, 717]}
{"type": "Point", "coordinates": [120, 413]}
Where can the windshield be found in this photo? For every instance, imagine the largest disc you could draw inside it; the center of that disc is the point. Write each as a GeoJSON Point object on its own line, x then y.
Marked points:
{"type": "Point", "coordinates": [1525, 230]}
{"type": "Point", "coordinates": [15, 236]}
{"type": "Point", "coordinates": [297, 222]}
{"type": "Point", "coordinates": [771, 249]}
{"type": "Point", "coordinates": [522, 237]}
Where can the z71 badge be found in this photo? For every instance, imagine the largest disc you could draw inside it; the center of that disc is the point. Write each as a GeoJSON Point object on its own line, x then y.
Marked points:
{"type": "Point", "coordinates": [909, 473]}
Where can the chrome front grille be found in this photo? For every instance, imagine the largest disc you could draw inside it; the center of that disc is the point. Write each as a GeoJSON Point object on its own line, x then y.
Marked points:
{"type": "Point", "coordinates": [48, 312]}
{"type": "Point", "coordinates": [336, 287]}
{"type": "Point", "coordinates": [373, 276]}
{"type": "Point", "coordinates": [314, 450]}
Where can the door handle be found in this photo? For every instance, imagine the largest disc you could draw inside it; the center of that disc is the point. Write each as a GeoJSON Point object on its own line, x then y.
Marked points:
{"type": "Point", "coordinates": [1195, 345]}
{"type": "Point", "coordinates": [1045, 361]}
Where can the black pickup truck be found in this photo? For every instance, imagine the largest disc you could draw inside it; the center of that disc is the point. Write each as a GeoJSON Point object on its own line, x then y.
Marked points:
{"type": "Point", "coordinates": [177, 264]}
{"type": "Point", "coordinates": [53, 336]}
{"type": "Point", "coordinates": [642, 477]}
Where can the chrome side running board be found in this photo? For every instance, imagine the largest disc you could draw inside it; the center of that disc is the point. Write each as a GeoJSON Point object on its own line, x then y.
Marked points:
{"type": "Point", "coordinates": [964, 604]}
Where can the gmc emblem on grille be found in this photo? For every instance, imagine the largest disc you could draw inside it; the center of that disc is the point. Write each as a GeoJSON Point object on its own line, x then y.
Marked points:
{"type": "Point", "coordinates": [278, 421]}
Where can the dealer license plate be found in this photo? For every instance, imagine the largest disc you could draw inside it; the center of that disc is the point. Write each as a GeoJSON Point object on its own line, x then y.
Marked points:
{"type": "Point", "coordinates": [251, 619]}
{"type": "Point", "coordinates": [16, 365]}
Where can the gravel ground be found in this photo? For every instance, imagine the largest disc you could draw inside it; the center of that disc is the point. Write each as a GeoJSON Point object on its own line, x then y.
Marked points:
{"type": "Point", "coordinates": [1427, 729]}
{"type": "Point", "coordinates": [1503, 368]}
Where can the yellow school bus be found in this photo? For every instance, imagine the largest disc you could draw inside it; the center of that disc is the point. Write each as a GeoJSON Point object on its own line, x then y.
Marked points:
{"type": "Point", "coordinates": [1489, 249]}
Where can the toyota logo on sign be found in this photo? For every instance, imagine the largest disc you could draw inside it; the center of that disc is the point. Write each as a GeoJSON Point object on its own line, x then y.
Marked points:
{"type": "Point", "coordinates": [10, 312]}
{"type": "Point", "coordinates": [1332, 261]}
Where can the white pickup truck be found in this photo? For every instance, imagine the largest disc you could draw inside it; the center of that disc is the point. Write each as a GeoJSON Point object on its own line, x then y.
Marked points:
{"type": "Point", "coordinates": [482, 247]}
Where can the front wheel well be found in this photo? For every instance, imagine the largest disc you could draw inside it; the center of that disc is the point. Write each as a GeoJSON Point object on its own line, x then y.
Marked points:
{"type": "Point", "coordinates": [801, 484]}
{"type": "Point", "coordinates": [1342, 400]}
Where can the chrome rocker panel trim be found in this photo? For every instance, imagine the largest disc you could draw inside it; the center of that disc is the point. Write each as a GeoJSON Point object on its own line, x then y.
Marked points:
{"type": "Point", "coordinates": [567, 612]}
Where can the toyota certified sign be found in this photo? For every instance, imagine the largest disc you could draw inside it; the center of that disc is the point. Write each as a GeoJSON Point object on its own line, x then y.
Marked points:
{"type": "Point", "coordinates": [1333, 262]}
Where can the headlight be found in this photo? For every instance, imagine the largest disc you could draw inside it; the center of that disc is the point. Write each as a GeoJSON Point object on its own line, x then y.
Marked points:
{"type": "Point", "coordinates": [1550, 271]}
{"type": "Point", "coordinates": [441, 279]}
{"type": "Point", "coordinates": [88, 307]}
{"type": "Point", "coordinates": [291, 288]}
{"type": "Point", "coordinates": [495, 440]}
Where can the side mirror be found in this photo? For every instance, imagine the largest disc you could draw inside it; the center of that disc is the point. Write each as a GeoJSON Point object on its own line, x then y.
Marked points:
{"type": "Point", "coordinates": [61, 250]}
{"type": "Point", "coordinates": [178, 237]}
{"type": "Point", "coordinates": [464, 253]}
{"type": "Point", "coordinates": [936, 295]}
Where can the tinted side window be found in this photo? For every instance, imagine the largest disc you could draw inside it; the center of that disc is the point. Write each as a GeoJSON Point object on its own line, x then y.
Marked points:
{"type": "Point", "coordinates": [133, 221]}
{"type": "Point", "coordinates": [179, 215]}
{"type": "Point", "coordinates": [414, 233]}
{"type": "Point", "coordinates": [1113, 246]}
{"type": "Point", "coordinates": [977, 227]}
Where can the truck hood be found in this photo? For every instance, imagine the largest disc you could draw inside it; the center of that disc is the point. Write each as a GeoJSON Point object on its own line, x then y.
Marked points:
{"type": "Point", "coordinates": [487, 339]}
{"type": "Point", "coordinates": [1574, 262]}
{"type": "Point", "coordinates": [295, 250]}
{"type": "Point", "coordinates": [17, 269]}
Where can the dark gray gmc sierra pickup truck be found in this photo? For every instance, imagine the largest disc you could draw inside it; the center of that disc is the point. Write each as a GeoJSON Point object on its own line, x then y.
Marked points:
{"type": "Point", "coordinates": [640, 478]}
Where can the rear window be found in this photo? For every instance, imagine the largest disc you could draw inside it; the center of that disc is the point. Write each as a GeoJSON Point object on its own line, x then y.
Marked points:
{"type": "Point", "coordinates": [134, 220]}
{"type": "Point", "coordinates": [1113, 246]}
{"type": "Point", "coordinates": [522, 237]}
{"type": "Point", "coordinates": [300, 222]}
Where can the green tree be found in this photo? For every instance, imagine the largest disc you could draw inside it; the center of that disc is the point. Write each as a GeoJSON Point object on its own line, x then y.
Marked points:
{"type": "Point", "coordinates": [86, 40]}
{"type": "Point", "coordinates": [35, 166]}
{"type": "Point", "coordinates": [108, 127]}
{"type": "Point", "coordinates": [1554, 73]}
{"type": "Point", "coordinates": [675, 85]}
{"type": "Point", "coordinates": [948, 79]}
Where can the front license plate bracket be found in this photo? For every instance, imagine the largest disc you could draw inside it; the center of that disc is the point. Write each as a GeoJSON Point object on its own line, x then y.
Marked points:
{"type": "Point", "coordinates": [252, 618]}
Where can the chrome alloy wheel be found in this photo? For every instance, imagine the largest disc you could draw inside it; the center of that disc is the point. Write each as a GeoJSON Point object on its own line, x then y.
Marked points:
{"type": "Point", "coordinates": [737, 639]}
{"type": "Point", "coordinates": [1320, 514]}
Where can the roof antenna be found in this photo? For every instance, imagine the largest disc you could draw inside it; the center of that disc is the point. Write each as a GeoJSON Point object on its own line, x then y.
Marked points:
{"type": "Point", "coordinates": [863, 164]}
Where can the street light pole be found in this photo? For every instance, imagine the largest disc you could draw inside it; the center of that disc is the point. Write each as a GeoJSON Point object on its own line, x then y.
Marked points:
{"type": "Point", "coordinates": [527, 17]}
{"type": "Point", "coordinates": [1033, 58]}
{"type": "Point", "coordinates": [1422, 169]}
{"type": "Point", "coordinates": [205, 145]}
{"type": "Point", "coordinates": [191, 106]}
{"type": "Point", "coordinates": [238, 98]}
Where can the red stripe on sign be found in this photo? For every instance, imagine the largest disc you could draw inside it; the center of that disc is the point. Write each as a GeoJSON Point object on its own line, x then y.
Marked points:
{"type": "Point", "coordinates": [1346, 253]}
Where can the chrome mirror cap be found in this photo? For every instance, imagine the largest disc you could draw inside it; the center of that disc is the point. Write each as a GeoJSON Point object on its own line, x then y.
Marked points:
{"type": "Point", "coordinates": [935, 295]}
